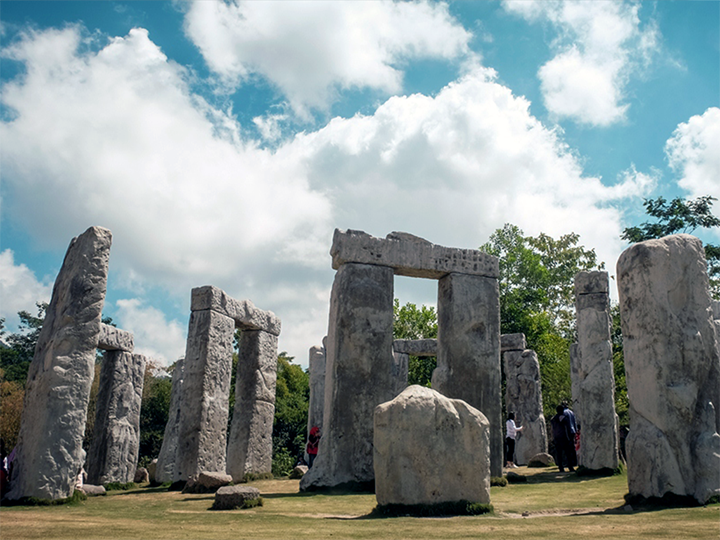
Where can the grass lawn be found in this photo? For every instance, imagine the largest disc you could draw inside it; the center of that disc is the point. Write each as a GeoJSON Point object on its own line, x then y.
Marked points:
{"type": "Point", "coordinates": [551, 505]}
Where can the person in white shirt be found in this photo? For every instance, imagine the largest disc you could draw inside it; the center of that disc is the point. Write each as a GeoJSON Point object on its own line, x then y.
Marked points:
{"type": "Point", "coordinates": [511, 430]}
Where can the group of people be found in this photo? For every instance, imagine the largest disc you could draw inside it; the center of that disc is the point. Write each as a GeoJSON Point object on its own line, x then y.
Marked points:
{"type": "Point", "coordinates": [565, 435]}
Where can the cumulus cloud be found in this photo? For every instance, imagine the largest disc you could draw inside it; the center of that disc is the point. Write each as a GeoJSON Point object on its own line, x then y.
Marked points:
{"type": "Point", "coordinates": [154, 335]}
{"type": "Point", "coordinates": [114, 137]}
{"type": "Point", "coordinates": [308, 50]}
{"type": "Point", "coordinates": [20, 290]}
{"type": "Point", "coordinates": [600, 45]}
{"type": "Point", "coordinates": [692, 151]}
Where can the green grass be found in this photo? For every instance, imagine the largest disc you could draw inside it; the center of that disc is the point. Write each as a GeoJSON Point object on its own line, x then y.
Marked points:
{"type": "Point", "coordinates": [550, 505]}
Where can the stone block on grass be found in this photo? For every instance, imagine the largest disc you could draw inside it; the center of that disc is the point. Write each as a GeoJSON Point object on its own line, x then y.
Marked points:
{"type": "Point", "coordinates": [232, 497]}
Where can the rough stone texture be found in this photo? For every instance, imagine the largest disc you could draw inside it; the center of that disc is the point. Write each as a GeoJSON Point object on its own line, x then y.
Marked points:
{"type": "Point", "coordinates": [152, 470]}
{"type": "Point", "coordinates": [430, 449]}
{"type": "Point", "coordinates": [141, 476]}
{"type": "Point", "coordinates": [416, 347]}
{"type": "Point", "coordinates": [358, 375]}
{"type": "Point", "coordinates": [468, 361]}
{"type": "Point", "coordinates": [716, 309]}
{"type": "Point", "coordinates": [671, 363]}
{"type": "Point", "coordinates": [243, 312]}
{"type": "Point", "coordinates": [298, 472]}
{"type": "Point", "coordinates": [92, 491]}
{"type": "Point", "coordinates": [49, 453]}
{"type": "Point", "coordinates": [166, 470]}
{"type": "Point", "coordinates": [317, 387]}
{"type": "Point", "coordinates": [114, 339]}
{"type": "Point", "coordinates": [592, 373]}
{"type": "Point", "coordinates": [409, 255]}
{"type": "Point", "coordinates": [231, 497]}
{"type": "Point", "coordinates": [512, 342]}
{"type": "Point", "coordinates": [116, 437]}
{"type": "Point", "coordinates": [250, 444]}
{"type": "Point", "coordinates": [544, 458]}
{"type": "Point", "coordinates": [207, 482]}
{"type": "Point", "coordinates": [202, 423]}
{"type": "Point", "coordinates": [523, 396]}
{"type": "Point", "coordinates": [399, 371]}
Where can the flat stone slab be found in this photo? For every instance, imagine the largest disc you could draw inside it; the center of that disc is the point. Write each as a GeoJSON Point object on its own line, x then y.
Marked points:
{"type": "Point", "coordinates": [231, 497]}
{"type": "Point", "coordinates": [410, 255]}
{"type": "Point", "coordinates": [207, 482]}
{"type": "Point", "coordinates": [114, 339]}
{"type": "Point", "coordinates": [592, 282]}
{"type": "Point", "coordinates": [512, 342]}
{"type": "Point", "coordinates": [416, 347]}
{"type": "Point", "coordinates": [243, 312]}
{"type": "Point", "coordinates": [92, 491]}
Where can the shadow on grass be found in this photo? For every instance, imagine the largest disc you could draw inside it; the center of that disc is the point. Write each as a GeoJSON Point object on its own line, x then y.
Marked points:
{"type": "Point", "coordinates": [139, 491]}
{"type": "Point", "coordinates": [554, 477]}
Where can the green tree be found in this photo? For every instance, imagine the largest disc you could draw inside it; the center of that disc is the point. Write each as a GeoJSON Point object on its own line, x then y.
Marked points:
{"type": "Point", "coordinates": [680, 216]}
{"type": "Point", "coordinates": [154, 411]}
{"type": "Point", "coordinates": [15, 361]}
{"type": "Point", "coordinates": [292, 396]}
{"type": "Point", "coordinates": [411, 322]}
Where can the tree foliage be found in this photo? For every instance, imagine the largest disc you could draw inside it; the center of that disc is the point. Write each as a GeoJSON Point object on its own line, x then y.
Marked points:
{"type": "Point", "coordinates": [411, 322]}
{"type": "Point", "coordinates": [292, 396]}
{"type": "Point", "coordinates": [154, 411]}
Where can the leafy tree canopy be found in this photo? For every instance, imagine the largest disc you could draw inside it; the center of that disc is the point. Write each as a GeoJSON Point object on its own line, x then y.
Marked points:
{"type": "Point", "coordinates": [411, 322]}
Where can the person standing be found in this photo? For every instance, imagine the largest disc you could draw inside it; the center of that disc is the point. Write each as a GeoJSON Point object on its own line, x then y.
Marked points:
{"type": "Point", "coordinates": [511, 431]}
{"type": "Point", "coordinates": [312, 445]}
{"type": "Point", "coordinates": [564, 440]}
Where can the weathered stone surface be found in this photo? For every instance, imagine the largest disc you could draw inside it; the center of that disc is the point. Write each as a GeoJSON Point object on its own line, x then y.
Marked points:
{"type": "Point", "coordinates": [114, 339]}
{"type": "Point", "coordinates": [207, 482]}
{"type": "Point", "coordinates": [152, 470]}
{"type": "Point", "coordinates": [543, 458]}
{"type": "Point", "coordinates": [523, 396]}
{"type": "Point", "coordinates": [116, 437]}
{"type": "Point", "coordinates": [430, 449]}
{"type": "Point", "coordinates": [49, 452]}
{"type": "Point", "coordinates": [250, 443]}
{"type": "Point", "coordinates": [671, 362]}
{"type": "Point", "coordinates": [243, 312]}
{"type": "Point", "coordinates": [358, 375]}
{"type": "Point", "coordinates": [416, 347]}
{"type": "Point", "coordinates": [91, 490]}
{"type": "Point", "coordinates": [166, 470]}
{"type": "Point", "coordinates": [231, 497]}
{"type": "Point", "coordinates": [399, 371]}
{"type": "Point", "coordinates": [317, 387]}
{"type": "Point", "coordinates": [592, 373]}
{"type": "Point", "coordinates": [298, 472]}
{"type": "Point", "coordinates": [141, 476]}
{"type": "Point", "coordinates": [468, 362]}
{"type": "Point", "coordinates": [716, 309]}
{"type": "Point", "coordinates": [202, 424]}
{"type": "Point", "coordinates": [512, 342]}
{"type": "Point", "coordinates": [409, 255]}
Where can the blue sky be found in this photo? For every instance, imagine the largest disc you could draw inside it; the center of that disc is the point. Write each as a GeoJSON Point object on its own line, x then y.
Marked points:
{"type": "Point", "coordinates": [223, 142]}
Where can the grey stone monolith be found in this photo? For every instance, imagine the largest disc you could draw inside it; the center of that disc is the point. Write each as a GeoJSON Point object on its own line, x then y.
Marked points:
{"type": "Point", "coordinates": [49, 452]}
{"type": "Point", "coordinates": [358, 375]}
{"type": "Point", "coordinates": [671, 365]}
{"type": "Point", "coordinates": [593, 379]}
{"type": "Point", "coordinates": [165, 469]}
{"type": "Point", "coordinates": [523, 396]}
{"type": "Point", "coordinates": [468, 361]}
{"type": "Point", "coordinates": [202, 424]}
{"type": "Point", "coordinates": [430, 449]}
{"type": "Point", "coordinates": [115, 446]}
{"type": "Point", "coordinates": [316, 368]}
{"type": "Point", "coordinates": [403, 349]}
{"type": "Point", "coordinates": [250, 443]}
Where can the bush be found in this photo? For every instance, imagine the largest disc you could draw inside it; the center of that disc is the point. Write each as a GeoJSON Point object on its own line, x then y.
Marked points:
{"type": "Point", "coordinates": [499, 481]}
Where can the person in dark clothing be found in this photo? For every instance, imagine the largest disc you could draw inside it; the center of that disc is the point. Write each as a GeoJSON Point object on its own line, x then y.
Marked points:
{"type": "Point", "coordinates": [312, 445]}
{"type": "Point", "coordinates": [564, 440]}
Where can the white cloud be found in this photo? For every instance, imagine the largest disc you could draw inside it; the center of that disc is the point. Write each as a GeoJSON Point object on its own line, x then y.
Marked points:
{"type": "Point", "coordinates": [310, 49]}
{"type": "Point", "coordinates": [20, 290]}
{"type": "Point", "coordinates": [117, 136]}
{"type": "Point", "coordinates": [600, 45]}
{"type": "Point", "coordinates": [693, 152]}
{"type": "Point", "coordinates": [154, 335]}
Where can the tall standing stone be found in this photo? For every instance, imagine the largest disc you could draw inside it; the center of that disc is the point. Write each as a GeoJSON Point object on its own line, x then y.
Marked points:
{"type": "Point", "coordinates": [49, 453]}
{"type": "Point", "coordinates": [671, 362]}
{"type": "Point", "coordinates": [592, 373]}
{"type": "Point", "coordinates": [165, 470]}
{"type": "Point", "coordinates": [403, 349]}
{"type": "Point", "coordinates": [116, 438]}
{"type": "Point", "coordinates": [250, 444]}
{"type": "Point", "coordinates": [358, 375]}
{"type": "Point", "coordinates": [316, 367]}
{"type": "Point", "coordinates": [468, 361]}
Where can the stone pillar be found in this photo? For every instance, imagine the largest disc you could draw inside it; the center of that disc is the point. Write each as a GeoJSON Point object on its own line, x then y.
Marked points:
{"type": "Point", "coordinates": [592, 373]}
{"type": "Point", "coordinates": [399, 371]}
{"type": "Point", "coordinates": [671, 362]}
{"type": "Point", "coordinates": [166, 471]}
{"type": "Point", "coordinates": [250, 445]}
{"type": "Point", "coordinates": [523, 396]}
{"type": "Point", "coordinates": [202, 425]}
{"type": "Point", "coordinates": [116, 439]}
{"type": "Point", "coordinates": [49, 453]}
{"type": "Point", "coordinates": [316, 367]}
{"type": "Point", "coordinates": [468, 362]}
{"type": "Point", "coordinates": [358, 375]}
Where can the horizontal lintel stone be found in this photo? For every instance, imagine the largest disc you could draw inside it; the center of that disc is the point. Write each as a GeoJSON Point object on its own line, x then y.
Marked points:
{"type": "Point", "coordinates": [114, 339]}
{"type": "Point", "coordinates": [512, 342]}
{"type": "Point", "coordinates": [416, 347]}
{"type": "Point", "coordinates": [591, 282]}
{"type": "Point", "coordinates": [410, 255]}
{"type": "Point", "coordinates": [243, 312]}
